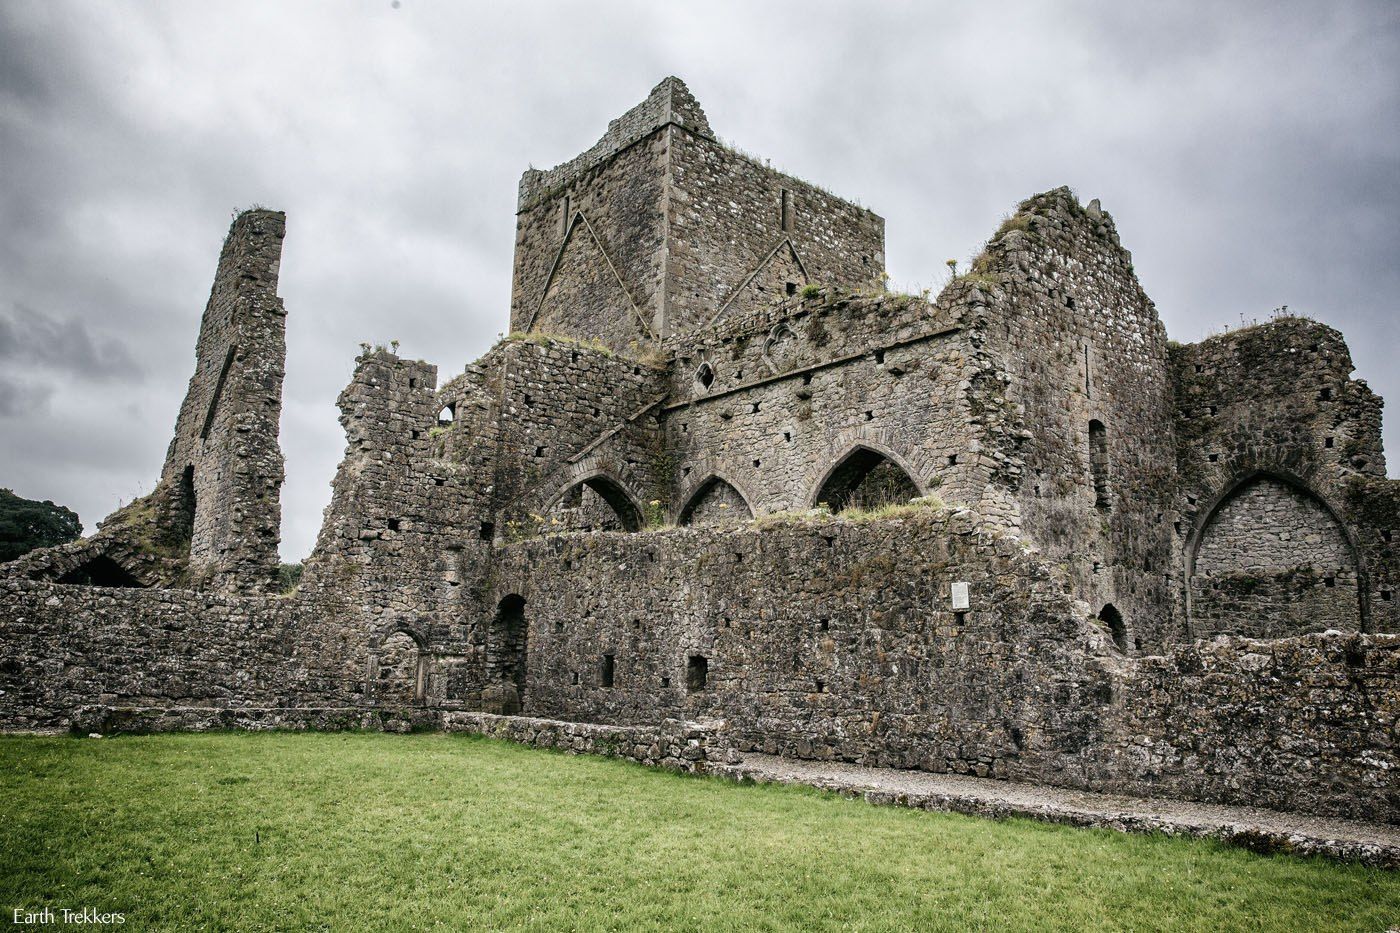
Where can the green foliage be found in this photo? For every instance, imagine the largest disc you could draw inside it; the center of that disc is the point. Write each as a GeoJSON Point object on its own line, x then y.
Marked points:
{"type": "Point", "coordinates": [810, 291]}
{"type": "Point", "coordinates": [542, 339]}
{"type": "Point", "coordinates": [1022, 222]}
{"type": "Point", "coordinates": [654, 515]}
{"type": "Point", "coordinates": [289, 576]}
{"type": "Point", "coordinates": [366, 831]}
{"type": "Point", "coordinates": [26, 525]}
{"type": "Point", "coordinates": [888, 510]}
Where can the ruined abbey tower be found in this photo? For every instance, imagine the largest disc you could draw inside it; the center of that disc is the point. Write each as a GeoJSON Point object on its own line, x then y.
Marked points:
{"type": "Point", "coordinates": [718, 483]}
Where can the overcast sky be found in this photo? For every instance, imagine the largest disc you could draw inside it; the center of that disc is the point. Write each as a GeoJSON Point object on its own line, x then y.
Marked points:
{"type": "Point", "coordinates": [1251, 158]}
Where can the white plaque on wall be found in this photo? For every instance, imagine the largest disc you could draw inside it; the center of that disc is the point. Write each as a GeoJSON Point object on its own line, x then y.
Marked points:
{"type": "Point", "coordinates": [960, 596]}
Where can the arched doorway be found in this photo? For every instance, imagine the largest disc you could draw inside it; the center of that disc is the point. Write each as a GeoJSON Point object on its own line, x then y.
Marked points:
{"type": "Point", "coordinates": [400, 671]}
{"type": "Point", "coordinates": [865, 479]}
{"type": "Point", "coordinates": [1113, 620]}
{"type": "Point", "coordinates": [1271, 560]}
{"type": "Point", "coordinates": [507, 643]}
{"type": "Point", "coordinates": [715, 502]}
{"type": "Point", "coordinates": [598, 503]}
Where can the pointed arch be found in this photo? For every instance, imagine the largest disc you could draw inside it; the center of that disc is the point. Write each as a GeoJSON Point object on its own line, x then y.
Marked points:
{"type": "Point", "coordinates": [397, 672]}
{"type": "Point", "coordinates": [866, 475]}
{"type": "Point", "coordinates": [1269, 557]}
{"type": "Point", "coordinates": [1113, 619]}
{"type": "Point", "coordinates": [714, 500]}
{"type": "Point", "coordinates": [611, 507]}
{"type": "Point", "coordinates": [101, 570]}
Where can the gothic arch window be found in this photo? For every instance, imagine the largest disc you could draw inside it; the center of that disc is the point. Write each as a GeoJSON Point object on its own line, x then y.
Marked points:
{"type": "Point", "coordinates": [705, 376]}
{"type": "Point", "coordinates": [865, 479]}
{"type": "Point", "coordinates": [1271, 560]}
{"type": "Point", "coordinates": [715, 502]}
{"type": "Point", "coordinates": [598, 503]}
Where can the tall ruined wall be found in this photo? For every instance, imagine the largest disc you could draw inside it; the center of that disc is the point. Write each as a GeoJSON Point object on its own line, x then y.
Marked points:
{"type": "Point", "coordinates": [1087, 358]}
{"type": "Point", "coordinates": [741, 235]}
{"type": "Point", "coordinates": [838, 640]}
{"type": "Point", "coordinates": [773, 401]}
{"type": "Point", "coordinates": [228, 424]}
{"type": "Point", "coordinates": [1286, 513]}
{"type": "Point", "coordinates": [403, 524]}
{"type": "Point", "coordinates": [659, 227]}
{"type": "Point", "coordinates": [214, 518]}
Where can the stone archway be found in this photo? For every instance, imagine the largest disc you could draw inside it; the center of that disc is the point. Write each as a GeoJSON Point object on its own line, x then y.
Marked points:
{"type": "Point", "coordinates": [399, 670]}
{"type": "Point", "coordinates": [1271, 559]}
{"type": "Point", "coordinates": [715, 501]}
{"type": "Point", "coordinates": [865, 478]}
{"type": "Point", "coordinates": [596, 503]}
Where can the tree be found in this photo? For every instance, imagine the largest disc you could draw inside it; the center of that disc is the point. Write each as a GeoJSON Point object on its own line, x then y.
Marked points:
{"type": "Point", "coordinates": [26, 525]}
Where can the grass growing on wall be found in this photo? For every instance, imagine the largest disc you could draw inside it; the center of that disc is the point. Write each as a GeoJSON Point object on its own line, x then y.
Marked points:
{"type": "Point", "coordinates": [359, 831]}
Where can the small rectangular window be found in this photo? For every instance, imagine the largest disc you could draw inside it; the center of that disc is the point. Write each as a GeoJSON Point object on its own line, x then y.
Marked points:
{"type": "Point", "coordinates": [608, 669]}
{"type": "Point", "coordinates": [697, 672]}
{"type": "Point", "coordinates": [785, 209]}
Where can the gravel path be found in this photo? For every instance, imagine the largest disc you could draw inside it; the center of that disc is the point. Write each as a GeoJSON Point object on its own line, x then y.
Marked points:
{"type": "Point", "coordinates": [1261, 830]}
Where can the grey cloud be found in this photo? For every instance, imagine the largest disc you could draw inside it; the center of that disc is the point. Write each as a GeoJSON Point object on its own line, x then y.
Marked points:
{"type": "Point", "coordinates": [20, 399]}
{"type": "Point", "coordinates": [63, 345]}
{"type": "Point", "coordinates": [1248, 152]}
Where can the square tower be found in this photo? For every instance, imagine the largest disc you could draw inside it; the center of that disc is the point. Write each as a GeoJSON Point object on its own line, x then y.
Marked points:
{"type": "Point", "coordinates": [659, 228]}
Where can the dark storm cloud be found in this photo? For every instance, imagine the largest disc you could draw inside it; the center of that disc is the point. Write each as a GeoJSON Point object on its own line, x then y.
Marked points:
{"type": "Point", "coordinates": [1249, 154]}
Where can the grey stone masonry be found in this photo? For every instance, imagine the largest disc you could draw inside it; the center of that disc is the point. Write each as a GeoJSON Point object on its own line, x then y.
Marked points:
{"type": "Point", "coordinates": [659, 228]}
{"type": "Point", "coordinates": [718, 474]}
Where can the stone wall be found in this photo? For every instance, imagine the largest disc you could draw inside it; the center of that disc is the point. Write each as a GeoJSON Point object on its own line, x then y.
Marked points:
{"type": "Point", "coordinates": [1273, 561]}
{"type": "Point", "coordinates": [837, 639]}
{"type": "Point", "coordinates": [1086, 354]}
{"type": "Point", "coordinates": [774, 401]}
{"type": "Point", "coordinates": [676, 746]}
{"type": "Point", "coordinates": [1276, 403]}
{"type": "Point", "coordinates": [741, 235]}
{"type": "Point", "coordinates": [226, 435]}
{"type": "Point", "coordinates": [68, 647]}
{"type": "Point", "coordinates": [659, 228]}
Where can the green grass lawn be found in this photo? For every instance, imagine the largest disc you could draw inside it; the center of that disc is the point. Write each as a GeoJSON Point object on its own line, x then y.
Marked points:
{"type": "Point", "coordinates": [355, 831]}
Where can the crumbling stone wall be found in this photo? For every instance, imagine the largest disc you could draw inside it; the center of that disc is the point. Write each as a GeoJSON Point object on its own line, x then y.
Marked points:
{"type": "Point", "coordinates": [1087, 359]}
{"type": "Point", "coordinates": [837, 639]}
{"type": "Point", "coordinates": [214, 518]}
{"type": "Point", "coordinates": [1276, 403]}
{"type": "Point", "coordinates": [774, 401]}
{"type": "Point", "coordinates": [1273, 561]}
{"type": "Point", "coordinates": [68, 647]}
{"type": "Point", "coordinates": [543, 416]}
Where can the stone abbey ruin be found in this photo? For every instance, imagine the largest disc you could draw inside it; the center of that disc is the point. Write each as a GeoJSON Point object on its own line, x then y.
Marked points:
{"type": "Point", "coordinates": [720, 487]}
